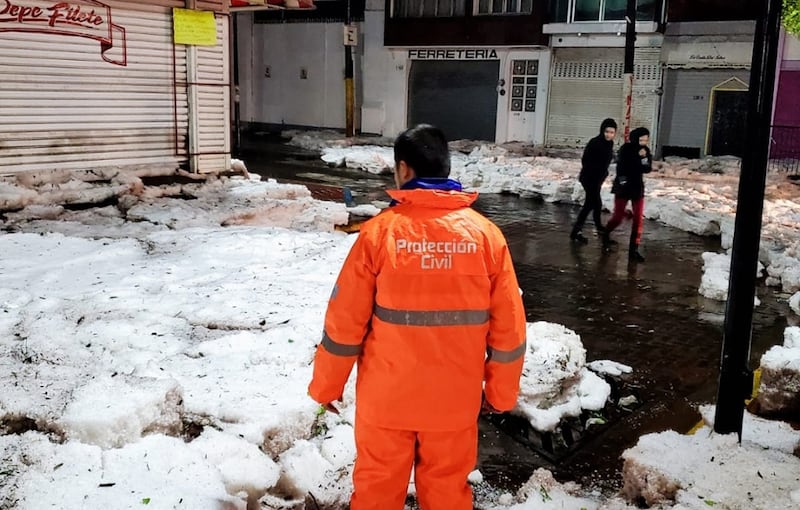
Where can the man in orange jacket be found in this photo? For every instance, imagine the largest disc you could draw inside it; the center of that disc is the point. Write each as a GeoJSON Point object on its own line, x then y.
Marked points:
{"type": "Point", "coordinates": [428, 304]}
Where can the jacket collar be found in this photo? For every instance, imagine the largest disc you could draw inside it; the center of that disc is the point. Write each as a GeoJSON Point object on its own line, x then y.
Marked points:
{"type": "Point", "coordinates": [435, 198]}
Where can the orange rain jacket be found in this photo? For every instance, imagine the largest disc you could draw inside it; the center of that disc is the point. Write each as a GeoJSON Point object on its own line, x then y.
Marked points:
{"type": "Point", "coordinates": [428, 303]}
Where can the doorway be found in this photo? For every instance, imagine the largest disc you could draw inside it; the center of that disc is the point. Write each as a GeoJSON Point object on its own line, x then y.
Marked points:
{"type": "Point", "coordinates": [458, 96]}
{"type": "Point", "coordinates": [728, 119]}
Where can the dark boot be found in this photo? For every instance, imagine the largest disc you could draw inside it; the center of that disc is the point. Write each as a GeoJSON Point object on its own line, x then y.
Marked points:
{"type": "Point", "coordinates": [633, 253]}
{"type": "Point", "coordinates": [577, 237]}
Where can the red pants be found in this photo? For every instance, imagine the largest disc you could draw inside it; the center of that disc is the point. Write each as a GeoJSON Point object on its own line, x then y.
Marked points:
{"type": "Point", "coordinates": [441, 460]}
{"type": "Point", "coordinates": [619, 214]}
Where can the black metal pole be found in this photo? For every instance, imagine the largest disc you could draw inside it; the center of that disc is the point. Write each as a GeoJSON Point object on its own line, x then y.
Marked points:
{"type": "Point", "coordinates": [630, 35]}
{"type": "Point", "coordinates": [348, 81]}
{"type": "Point", "coordinates": [735, 380]}
{"type": "Point", "coordinates": [627, 78]}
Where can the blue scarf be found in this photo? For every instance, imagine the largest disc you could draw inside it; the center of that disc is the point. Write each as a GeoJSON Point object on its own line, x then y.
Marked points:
{"type": "Point", "coordinates": [433, 183]}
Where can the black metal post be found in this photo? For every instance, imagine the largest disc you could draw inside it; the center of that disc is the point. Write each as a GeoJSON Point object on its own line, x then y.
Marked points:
{"type": "Point", "coordinates": [630, 35]}
{"type": "Point", "coordinates": [627, 78]}
{"type": "Point", "coordinates": [348, 81]}
{"type": "Point", "coordinates": [735, 381]}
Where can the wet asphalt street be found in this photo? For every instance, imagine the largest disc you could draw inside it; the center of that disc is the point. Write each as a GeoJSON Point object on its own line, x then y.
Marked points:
{"type": "Point", "coordinates": [648, 316]}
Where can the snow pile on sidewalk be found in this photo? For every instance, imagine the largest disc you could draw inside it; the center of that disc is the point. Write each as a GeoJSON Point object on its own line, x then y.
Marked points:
{"type": "Point", "coordinates": [375, 160]}
{"type": "Point", "coordinates": [779, 391]}
{"type": "Point", "coordinates": [556, 382]}
{"type": "Point", "coordinates": [223, 202]}
{"type": "Point", "coordinates": [113, 351]}
{"type": "Point", "coordinates": [794, 302]}
{"type": "Point", "coordinates": [716, 276]}
{"type": "Point", "coordinates": [709, 470]}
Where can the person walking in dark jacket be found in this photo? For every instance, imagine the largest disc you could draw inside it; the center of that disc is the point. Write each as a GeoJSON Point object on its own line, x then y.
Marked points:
{"type": "Point", "coordinates": [633, 161]}
{"type": "Point", "coordinates": [594, 169]}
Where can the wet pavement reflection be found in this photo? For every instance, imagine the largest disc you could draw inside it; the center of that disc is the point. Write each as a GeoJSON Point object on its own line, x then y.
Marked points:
{"type": "Point", "coordinates": [648, 316]}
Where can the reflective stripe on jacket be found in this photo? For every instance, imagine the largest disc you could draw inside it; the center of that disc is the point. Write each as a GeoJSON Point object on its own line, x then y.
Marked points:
{"type": "Point", "coordinates": [428, 304]}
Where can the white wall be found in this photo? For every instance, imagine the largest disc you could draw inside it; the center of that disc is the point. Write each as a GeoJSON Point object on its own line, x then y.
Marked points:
{"type": "Point", "coordinates": [385, 77]}
{"type": "Point", "coordinates": [791, 50]}
{"type": "Point", "coordinates": [284, 97]}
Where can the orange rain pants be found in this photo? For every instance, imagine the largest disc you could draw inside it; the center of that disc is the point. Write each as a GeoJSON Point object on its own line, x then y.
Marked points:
{"type": "Point", "coordinates": [441, 460]}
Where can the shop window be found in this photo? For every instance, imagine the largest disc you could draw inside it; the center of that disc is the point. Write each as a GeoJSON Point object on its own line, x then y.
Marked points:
{"type": "Point", "coordinates": [571, 11]}
{"type": "Point", "coordinates": [428, 8]}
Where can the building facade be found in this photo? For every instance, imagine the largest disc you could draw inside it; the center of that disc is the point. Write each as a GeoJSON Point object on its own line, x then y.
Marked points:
{"type": "Point", "coordinates": [89, 85]}
{"type": "Point", "coordinates": [479, 69]}
{"type": "Point", "coordinates": [290, 65]}
{"type": "Point", "coordinates": [588, 41]}
{"type": "Point", "coordinates": [786, 117]}
{"type": "Point", "coordinates": [707, 51]}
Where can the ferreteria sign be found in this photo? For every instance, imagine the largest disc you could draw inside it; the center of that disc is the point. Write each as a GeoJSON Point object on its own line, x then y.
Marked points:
{"type": "Point", "coordinates": [79, 18]}
{"type": "Point", "coordinates": [453, 54]}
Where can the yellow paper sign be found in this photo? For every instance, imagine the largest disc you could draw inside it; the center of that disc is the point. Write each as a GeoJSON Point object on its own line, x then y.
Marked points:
{"type": "Point", "coordinates": [198, 28]}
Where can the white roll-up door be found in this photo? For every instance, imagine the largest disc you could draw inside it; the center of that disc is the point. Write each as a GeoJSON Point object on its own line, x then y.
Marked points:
{"type": "Point", "coordinates": [212, 121]}
{"type": "Point", "coordinates": [73, 103]}
{"type": "Point", "coordinates": [586, 87]}
{"type": "Point", "coordinates": [646, 90]}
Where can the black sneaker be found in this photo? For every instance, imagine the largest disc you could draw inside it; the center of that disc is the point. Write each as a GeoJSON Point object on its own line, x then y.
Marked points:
{"type": "Point", "coordinates": [578, 238]}
{"type": "Point", "coordinates": [608, 243]}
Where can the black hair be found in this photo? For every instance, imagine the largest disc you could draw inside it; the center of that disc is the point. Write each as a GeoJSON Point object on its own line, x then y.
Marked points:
{"type": "Point", "coordinates": [424, 149]}
{"type": "Point", "coordinates": [638, 133]}
{"type": "Point", "coordinates": [608, 123]}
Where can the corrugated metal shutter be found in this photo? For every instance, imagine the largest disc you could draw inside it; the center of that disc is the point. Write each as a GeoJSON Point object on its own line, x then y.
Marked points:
{"type": "Point", "coordinates": [646, 84]}
{"type": "Point", "coordinates": [586, 88]}
{"type": "Point", "coordinates": [64, 107]}
{"type": "Point", "coordinates": [211, 94]}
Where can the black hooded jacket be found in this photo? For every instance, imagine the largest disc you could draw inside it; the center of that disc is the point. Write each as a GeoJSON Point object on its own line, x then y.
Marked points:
{"type": "Point", "coordinates": [631, 167]}
{"type": "Point", "coordinates": [597, 156]}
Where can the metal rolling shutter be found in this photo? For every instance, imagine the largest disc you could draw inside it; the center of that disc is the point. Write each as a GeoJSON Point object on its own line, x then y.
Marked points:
{"type": "Point", "coordinates": [212, 148]}
{"type": "Point", "coordinates": [586, 88]}
{"type": "Point", "coordinates": [647, 82]}
{"type": "Point", "coordinates": [64, 107]}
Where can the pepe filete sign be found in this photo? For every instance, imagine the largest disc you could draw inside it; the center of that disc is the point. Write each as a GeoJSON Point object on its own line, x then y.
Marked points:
{"type": "Point", "coordinates": [78, 18]}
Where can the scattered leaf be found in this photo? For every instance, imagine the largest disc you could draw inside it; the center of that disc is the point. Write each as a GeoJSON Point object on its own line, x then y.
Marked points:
{"type": "Point", "coordinates": [710, 502]}
{"type": "Point", "coordinates": [145, 501]}
{"type": "Point", "coordinates": [58, 466]}
{"type": "Point", "coordinates": [544, 493]}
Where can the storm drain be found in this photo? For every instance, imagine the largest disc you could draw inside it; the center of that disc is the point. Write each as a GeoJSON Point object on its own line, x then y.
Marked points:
{"type": "Point", "coordinates": [572, 433]}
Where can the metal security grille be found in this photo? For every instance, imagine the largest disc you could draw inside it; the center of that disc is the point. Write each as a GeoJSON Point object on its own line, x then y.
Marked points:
{"type": "Point", "coordinates": [588, 70]}
{"type": "Point", "coordinates": [65, 107]}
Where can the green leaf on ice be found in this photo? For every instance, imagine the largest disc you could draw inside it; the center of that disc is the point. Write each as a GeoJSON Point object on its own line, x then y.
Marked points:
{"type": "Point", "coordinates": [710, 502]}
{"type": "Point", "coordinates": [544, 493]}
{"type": "Point", "coordinates": [145, 501]}
{"type": "Point", "coordinates": [320, 410]}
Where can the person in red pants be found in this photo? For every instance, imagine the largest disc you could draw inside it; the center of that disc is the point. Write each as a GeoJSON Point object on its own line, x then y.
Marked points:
{"type": "Point", "coordinates": [427, 303]}
{"type": "Point", "coordinates": [633, 161]}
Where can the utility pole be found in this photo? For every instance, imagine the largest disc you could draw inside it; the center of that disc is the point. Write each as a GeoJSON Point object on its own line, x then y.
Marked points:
{"type": "Point", "coordinates": [736, 379]}
{"type": "Point", "coordinates": [350, 40]}
{"type": "Point", "coordinates": [627, 76]}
